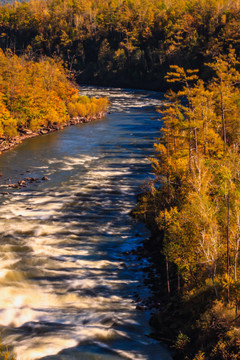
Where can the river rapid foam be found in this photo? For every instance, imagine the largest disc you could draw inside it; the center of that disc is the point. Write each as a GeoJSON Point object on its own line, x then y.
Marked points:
{"type": "Point", "coordinates": [67, 289]}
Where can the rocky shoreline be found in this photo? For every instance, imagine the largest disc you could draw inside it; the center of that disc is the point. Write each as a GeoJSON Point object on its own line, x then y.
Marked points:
{"type": "Point", "coordinates": [7, 144]}
{"type": "Point", "coordinates": [191, 327]}
{"type": "Point", "coordinates": [159, 303]}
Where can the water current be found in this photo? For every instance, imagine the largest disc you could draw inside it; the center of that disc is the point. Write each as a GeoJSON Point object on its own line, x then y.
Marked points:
{"type": "Point", "coordinates": [66, 285]}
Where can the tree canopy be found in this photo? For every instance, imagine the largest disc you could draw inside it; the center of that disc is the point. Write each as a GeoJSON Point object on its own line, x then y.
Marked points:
{"type": "Point", "coordinates": [123, 42]}
{"type": "Point", "coordinates": [193, 199]}
{"type": "Point", "coordinates": [34, 95]}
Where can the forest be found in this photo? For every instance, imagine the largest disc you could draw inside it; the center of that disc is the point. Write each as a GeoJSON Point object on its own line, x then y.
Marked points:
{"type": "Point", "coordinates": [123, 42]}
{"type": "Point", "coordinates": [192, 205]}
{"type": "Point", "coordinates": [193, 202]}
{"type": "Point", "coordinates": [39, 97]}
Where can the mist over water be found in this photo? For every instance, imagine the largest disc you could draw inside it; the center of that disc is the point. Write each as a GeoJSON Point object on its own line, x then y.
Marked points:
{"type": "Point", "coordinates": [67, 288]}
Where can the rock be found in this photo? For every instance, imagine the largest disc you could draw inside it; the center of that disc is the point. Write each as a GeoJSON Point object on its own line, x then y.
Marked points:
{"type": "Point", "coordinates": [31, 179]}
{"type": "Point", "coordinates": [133, 252]}
{"type": "Point", "coordinates": [14, 186]}
{"type": "Point", "coordinates": [27, 131]}
{"type": "Point", "coordinates": [44, 131]}
{"type": "Point", "coordinates": [21, 182]}
{"type": "Point", "coordinates": [56, 127]}
{"type": "Point", "coordinates": [123, 265]}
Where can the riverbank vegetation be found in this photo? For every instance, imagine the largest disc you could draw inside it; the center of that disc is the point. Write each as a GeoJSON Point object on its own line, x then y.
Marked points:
{"type": "Point", "coordinates": [36, 97]}
{"type": "Point", "coordinates": [123, 42]}
{"type": "Point", "coordinates": [5, 354]}
{"type": "Point", "coordinates": [193, 203]}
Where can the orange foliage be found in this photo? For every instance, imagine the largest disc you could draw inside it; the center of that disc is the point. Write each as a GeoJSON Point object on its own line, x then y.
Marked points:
{"type": "Point", "coordinates": [39, 94]}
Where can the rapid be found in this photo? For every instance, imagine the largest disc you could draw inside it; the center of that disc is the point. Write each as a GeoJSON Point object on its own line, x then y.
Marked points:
{"type": "Point", "coordinates": [67, 286]}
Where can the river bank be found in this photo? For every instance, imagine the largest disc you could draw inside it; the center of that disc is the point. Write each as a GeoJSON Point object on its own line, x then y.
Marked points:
{"type": "Point", "coordinates": [195, 206]}
{"type": "Point", "coordinates": [7, 144]}
{"type": "Point", "coordinates": [193, 326]}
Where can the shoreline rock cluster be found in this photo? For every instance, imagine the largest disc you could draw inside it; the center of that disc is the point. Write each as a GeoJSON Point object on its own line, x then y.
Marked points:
{"type": "Point", "coordinates": [25, 181]}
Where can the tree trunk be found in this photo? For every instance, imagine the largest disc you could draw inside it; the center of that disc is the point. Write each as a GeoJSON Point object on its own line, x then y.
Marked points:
{"type": "Point", "coordinates": [179, 284]}
{"type": "Point", "coordinates": [189, 149]}
{"type": "Point", "coordinates": [196, 144]}
{"type": "Point", "coordinates": [214, 286]}
{"type": "Point", "coordinates": [168, 281]}
{"type": "Point", "coordinates": [236, 259]}
{"type": "Point", "coordinates": [228, 257]}
{"type": "Point", "coordinates": [223, 121]}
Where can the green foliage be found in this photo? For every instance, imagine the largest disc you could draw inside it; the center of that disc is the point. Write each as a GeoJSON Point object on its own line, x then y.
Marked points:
{"type": "Point", "coordinates": [181, 342]}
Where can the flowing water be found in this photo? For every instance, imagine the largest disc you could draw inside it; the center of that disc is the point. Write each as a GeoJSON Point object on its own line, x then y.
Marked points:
{"type": "Point", "coordinates": [66, 285]}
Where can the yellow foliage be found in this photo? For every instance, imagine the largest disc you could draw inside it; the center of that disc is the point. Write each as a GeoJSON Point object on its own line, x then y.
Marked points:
{"type": "Point", "coordinates": [39, 94]}
{"type": "Point", "coordinates": [197, 177]}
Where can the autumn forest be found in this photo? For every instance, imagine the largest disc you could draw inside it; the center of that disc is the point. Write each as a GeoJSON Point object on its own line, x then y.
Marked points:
{"type": "Point", "coordinates": [190, 50]}
{"type": "Point", "coordinates": [193, 202]}
{"type": "Point", "coordinates": [123, 42]}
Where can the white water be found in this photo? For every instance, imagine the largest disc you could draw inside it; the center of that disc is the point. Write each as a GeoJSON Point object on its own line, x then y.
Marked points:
{"type": "Point", "coordinates": [67, 288]}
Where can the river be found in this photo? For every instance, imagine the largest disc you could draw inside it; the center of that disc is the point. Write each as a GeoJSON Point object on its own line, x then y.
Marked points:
{"type": "Point", "coordinates": [67, 286]}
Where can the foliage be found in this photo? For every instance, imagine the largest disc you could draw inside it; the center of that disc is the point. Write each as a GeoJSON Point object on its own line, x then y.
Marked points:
{"type": "Point", "coordinates": [197, 175]}
{"type": "Point", "coordinates": [182, 341]}
{"type": "Point", "coordinates": [39, 94]}
{"type": "Point", "coordinates": [5, 354]}
{"type": "Point", "coordinates": [123, 42]}
{"type": "Point", "coordinates": [194, 196]}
